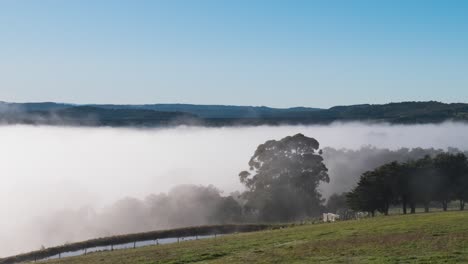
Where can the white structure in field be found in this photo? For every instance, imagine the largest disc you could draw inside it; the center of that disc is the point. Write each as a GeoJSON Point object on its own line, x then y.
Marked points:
{"type": "Point", "coordinates": [360, 215]}
{"type": "Point", "coordinates": [329, 217]}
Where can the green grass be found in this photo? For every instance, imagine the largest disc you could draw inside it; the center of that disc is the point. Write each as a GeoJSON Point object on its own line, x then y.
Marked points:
{"type": "Point", "coordinates": [440, 237]}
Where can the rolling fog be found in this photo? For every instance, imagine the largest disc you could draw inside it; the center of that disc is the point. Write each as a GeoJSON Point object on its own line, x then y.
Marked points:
{"type": "Point", "coordinates": [63, 176]}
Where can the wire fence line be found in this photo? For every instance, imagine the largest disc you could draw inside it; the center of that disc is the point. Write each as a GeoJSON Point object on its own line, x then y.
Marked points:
{"type": "Point", "coordinates": [117, 242]}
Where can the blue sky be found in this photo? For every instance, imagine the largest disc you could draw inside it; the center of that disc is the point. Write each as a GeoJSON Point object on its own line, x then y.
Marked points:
{"type": "Point", "coordinates": [275, 53]}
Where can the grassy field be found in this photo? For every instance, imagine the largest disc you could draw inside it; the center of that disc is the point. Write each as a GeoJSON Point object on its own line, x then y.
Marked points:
{"type": "Point", "coordinates": [440, 237]}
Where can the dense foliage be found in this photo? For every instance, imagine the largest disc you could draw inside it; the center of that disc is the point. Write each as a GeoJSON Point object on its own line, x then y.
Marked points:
{"type": "Point", "coordinates": [347, 165]}
{"type": "Point", "coordinates": [283, 179]}
{"type": "Point", "coordinates": [440, 179]}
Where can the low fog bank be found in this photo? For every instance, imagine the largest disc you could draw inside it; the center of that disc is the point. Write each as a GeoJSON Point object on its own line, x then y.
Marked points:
{"type": "Point", "coordinates": [182, 206]}
{"type": "Point", "coordinates": [61, 184]}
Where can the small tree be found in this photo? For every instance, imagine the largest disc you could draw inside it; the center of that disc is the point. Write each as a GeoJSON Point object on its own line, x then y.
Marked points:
{"type": "Point", "coordinates": [364, 197]}
{"type": "Point", "coordinates": [424, 181]}
{"type": "Point", "coordinates": [453, 172]}
{"type": "Point", "coordinates": [378, 189]}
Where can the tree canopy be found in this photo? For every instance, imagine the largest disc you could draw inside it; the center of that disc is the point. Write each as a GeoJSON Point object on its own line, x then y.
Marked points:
{"type": "Point", "coordinates": [283, 178]}
{"type": "Point", "coordinates": [441, 179]}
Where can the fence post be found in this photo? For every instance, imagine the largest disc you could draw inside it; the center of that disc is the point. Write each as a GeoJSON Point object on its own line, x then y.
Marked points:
{"type": "Point", "coordinates": [177, 240]}
{"type": "Point", "coordinates": [85, 251]}
{"type": "Point", "coordinates": [134, 244]}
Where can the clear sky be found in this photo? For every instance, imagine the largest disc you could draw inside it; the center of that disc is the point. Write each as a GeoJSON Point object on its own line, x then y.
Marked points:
{"type": "Point", "coordinates": [275, 53]}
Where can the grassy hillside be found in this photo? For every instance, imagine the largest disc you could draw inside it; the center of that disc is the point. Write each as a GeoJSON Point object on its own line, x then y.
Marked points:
{"type": "Point", "coordinates": [116, 240]}
{"type": "Point", "coordinates": [422, 238]}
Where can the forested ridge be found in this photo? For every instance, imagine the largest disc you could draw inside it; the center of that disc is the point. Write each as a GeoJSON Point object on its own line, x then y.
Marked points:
{"type": "Point", "coordinates": [225, 115]}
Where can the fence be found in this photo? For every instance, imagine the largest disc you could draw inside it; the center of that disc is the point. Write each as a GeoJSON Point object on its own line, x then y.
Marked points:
{"type": "Point", "coordinates": [133, 238]}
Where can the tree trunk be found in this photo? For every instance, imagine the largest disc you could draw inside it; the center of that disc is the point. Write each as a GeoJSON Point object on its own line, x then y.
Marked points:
{"type": "Point", "coordinates": [404, 206]}
{"type": "Point", "coordinates": [462, 205]}
{"type": "Point", "coordinates": [373, 213]}
{"type": "Point", "coordinates": [413, 208]}
{"type": "Point", "coordinates": [444, 205]}
{"type": "Point", "coordinates": [426, 207]}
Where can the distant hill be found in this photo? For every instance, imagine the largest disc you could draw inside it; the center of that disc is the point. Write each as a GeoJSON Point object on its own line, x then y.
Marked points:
{"type": "Point", "coordinates": [95, 116]}
{"type": "Point", "coordinates": [214, 111]}
{"type": "Point", "coordinates": [405, 112]}
{"type": "Point", "coordinates": [45, 106]}
{"type": "Point", "coordinates": [223, 115]}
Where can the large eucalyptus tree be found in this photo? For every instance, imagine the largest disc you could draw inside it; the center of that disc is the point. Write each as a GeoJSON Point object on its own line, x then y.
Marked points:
{"type": "Point", "coordinates": [283, 178]}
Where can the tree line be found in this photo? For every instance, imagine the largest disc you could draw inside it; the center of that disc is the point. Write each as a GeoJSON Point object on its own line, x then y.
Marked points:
{"type": "Point", "coordinates": [442, 178]}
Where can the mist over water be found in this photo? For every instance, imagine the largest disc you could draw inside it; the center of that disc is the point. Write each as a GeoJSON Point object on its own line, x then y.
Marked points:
{"type": "Point", "coordinates": [47, 171]}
